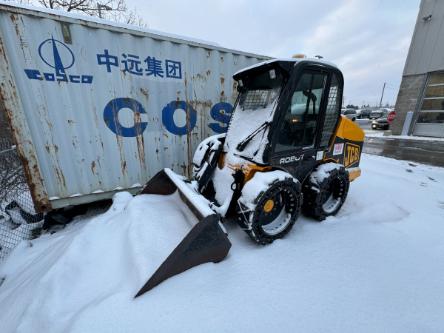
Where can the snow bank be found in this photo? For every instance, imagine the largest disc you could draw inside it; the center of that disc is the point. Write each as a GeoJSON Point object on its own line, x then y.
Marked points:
{"type": "Point", "coordinates": [65, 274]}
{"type": "Point", "coordinates": [376, 267]}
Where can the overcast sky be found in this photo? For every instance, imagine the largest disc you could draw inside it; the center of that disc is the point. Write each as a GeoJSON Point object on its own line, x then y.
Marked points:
{"type": "Point", "coordinates": [367, 39]}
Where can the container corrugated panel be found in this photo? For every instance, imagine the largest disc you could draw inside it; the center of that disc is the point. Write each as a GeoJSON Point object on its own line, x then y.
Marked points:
{"type": "Point", "coordinates": [97, 108]}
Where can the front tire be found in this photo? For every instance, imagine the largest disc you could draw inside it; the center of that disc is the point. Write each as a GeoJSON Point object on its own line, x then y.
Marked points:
{"type": "Point", "coordinates": [270, 212]}
{"type": "Point", "coordinates": [325, 191]}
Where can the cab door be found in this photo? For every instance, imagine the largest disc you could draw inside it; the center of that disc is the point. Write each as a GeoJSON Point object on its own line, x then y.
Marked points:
{"type": "Point", "coordinates": [298, 121]}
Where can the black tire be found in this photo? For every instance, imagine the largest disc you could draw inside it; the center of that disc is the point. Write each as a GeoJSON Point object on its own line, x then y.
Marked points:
{"type": "Point", "coordinates": [264, 227]}
{"type": "Point", "coordinates": [325, 198]}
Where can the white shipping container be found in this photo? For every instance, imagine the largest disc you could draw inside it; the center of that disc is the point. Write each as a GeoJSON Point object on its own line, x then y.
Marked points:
{"type": "Point", "coordinates": [97, 107]}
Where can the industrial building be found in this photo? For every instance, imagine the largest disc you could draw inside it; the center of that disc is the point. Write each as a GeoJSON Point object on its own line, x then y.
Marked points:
{"type": "Point", "coordinates": [420, 103]}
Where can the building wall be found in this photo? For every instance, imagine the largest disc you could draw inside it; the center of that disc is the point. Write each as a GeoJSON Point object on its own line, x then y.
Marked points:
{"type": "Point", "coordinates": [409, 95]}
{"type": "Point", "coordinates": [426, 54]}
{"type": "Point", "coordinates": [427, 46]}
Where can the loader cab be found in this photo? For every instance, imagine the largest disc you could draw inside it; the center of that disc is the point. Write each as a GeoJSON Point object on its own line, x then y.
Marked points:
{"type": "Point", "coordinates": [306, 117]}
{"type": "Point", "coordinates": [290, 109]}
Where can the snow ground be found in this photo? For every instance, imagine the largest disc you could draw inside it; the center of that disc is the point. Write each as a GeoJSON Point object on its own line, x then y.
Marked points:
{"type": "Point", "coordinates": [376, 267]}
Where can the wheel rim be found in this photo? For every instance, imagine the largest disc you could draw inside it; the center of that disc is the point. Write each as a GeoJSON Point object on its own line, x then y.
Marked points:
{"type": "Point", "coordinates": [333, 196]}
{"type": "Point", "coordinates": [276, 216]}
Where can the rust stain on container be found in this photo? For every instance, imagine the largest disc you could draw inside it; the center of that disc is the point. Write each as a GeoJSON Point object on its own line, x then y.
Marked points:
{"type": "Point", "coordinates": [30, 168]}
{"type": "Point", "coordinates": [93, 167]}
{"type": "Point", "coordinates": [41, 202]}
{"type": "Point", "coordinates": [187, 171]}
{"type": "Point", "coordinates": [199, 103]}
{"type": "Point", "coordinates": [60, 176]}
{"type": "Point", "coordinates": [144, 92]}
{"type": "Point", "coordinates": [115, 120]}
{"type": "Point", "coordinates": [201, 77]}
{"type": "Point", "coordinates": [122, 155]}
{"type": "Point", "coordinates": [140, 142]}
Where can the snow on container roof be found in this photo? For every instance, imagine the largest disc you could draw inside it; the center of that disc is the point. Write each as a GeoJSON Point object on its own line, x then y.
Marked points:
{"type": "Point", "coordinates": [110, 25]}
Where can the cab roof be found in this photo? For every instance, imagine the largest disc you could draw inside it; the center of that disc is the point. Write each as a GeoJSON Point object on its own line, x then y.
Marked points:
{"type": "Point", "coordinates": [286, 64]}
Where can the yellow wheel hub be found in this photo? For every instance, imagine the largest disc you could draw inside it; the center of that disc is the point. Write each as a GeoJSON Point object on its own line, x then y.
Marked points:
{"type": "Point", "coordinates": [269, 204]}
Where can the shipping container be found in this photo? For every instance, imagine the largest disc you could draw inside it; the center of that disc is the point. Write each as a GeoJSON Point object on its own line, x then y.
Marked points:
{"type": "Point", "coordinates": [97, 107]}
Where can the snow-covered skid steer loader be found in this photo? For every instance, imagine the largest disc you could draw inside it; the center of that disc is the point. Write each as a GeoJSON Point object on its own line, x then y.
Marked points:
{"type": "Point", "coordinates": [287, 149]}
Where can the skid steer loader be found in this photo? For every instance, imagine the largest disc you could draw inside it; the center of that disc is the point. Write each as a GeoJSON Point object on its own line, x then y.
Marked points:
{"type": "Point", "coordinates": [287, 149]}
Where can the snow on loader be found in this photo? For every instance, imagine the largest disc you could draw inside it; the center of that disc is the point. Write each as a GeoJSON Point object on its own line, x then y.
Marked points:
{"type": "Point", "coordinates": [287, 149]}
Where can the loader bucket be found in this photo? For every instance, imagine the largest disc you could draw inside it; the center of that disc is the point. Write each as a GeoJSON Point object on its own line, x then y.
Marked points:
{"type": "Point", "coordinates": [207, 241]}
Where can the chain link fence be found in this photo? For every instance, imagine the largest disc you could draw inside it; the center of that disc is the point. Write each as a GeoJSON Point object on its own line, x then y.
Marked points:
{"type": "Point", "coordinates": [18, 219]}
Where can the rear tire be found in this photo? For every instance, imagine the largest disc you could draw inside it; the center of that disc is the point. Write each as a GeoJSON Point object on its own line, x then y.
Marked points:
{"type": "Point", "coordinates": [325, 191]}
{"type": "Point", "coordinates": [271, 213]}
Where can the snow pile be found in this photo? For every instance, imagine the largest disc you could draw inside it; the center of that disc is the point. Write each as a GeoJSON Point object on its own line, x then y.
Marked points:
{"type": "Point", "coordinates": [323, 171]}
{"type": "Point", "coordinates": [65, 274]}
{"type": "Point", "coordinates": [259, 183]}
{"type": "Point", "coordinates": [376, 267]}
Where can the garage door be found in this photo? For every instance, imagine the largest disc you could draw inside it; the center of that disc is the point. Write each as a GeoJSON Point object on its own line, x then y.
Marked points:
{"type": "Point", "coordinates": [430, 120]}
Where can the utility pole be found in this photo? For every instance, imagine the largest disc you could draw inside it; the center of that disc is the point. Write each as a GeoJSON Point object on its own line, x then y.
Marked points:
{"type": "Point", "coordinates": [382, 95]}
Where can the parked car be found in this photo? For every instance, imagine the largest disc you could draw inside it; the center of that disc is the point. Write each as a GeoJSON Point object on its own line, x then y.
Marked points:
{"type": "Point", "coordinates": [350, 113]}
{"type": "Point", "coordinates": [380, 123]}
{"type": "Point", "coordinates": [378, 114]}
{"type": "Point", "coordinates": [364, 113]}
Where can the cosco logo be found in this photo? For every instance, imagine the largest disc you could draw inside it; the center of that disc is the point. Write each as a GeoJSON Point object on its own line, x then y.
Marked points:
{"type": "Point", "coordinates": [220, 112]}
{"type": "Point", "coordinates": [290, 159]}
{"type": "Point", "coordinates": [59, 57]}
{"type": "Point", "coordinates": [352, 154]}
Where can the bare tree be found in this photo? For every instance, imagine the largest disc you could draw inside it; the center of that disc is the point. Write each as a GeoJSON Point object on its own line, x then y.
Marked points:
{"type": "Point", "coordinates": [12, 180]}
{"type": "Point", "coordinates": [114, 10]}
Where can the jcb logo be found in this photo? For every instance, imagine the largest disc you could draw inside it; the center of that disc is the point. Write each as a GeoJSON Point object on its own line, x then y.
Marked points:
{"type": "Point", "coordinates": [351, 154]}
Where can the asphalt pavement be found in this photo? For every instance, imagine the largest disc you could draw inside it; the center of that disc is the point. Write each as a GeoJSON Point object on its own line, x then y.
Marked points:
{"type": "Point", "coordinates": [421, 150]}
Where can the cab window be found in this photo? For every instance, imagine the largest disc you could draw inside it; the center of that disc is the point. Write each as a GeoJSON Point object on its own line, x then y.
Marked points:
{"type": "Point", "coordinates": [332, 111]}
{"type": "Point", "coordinates": [298, 126]}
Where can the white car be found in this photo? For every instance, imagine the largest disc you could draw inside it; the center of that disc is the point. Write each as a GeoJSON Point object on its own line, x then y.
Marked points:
{"type": "Point", "coordinates": [350, 113]}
